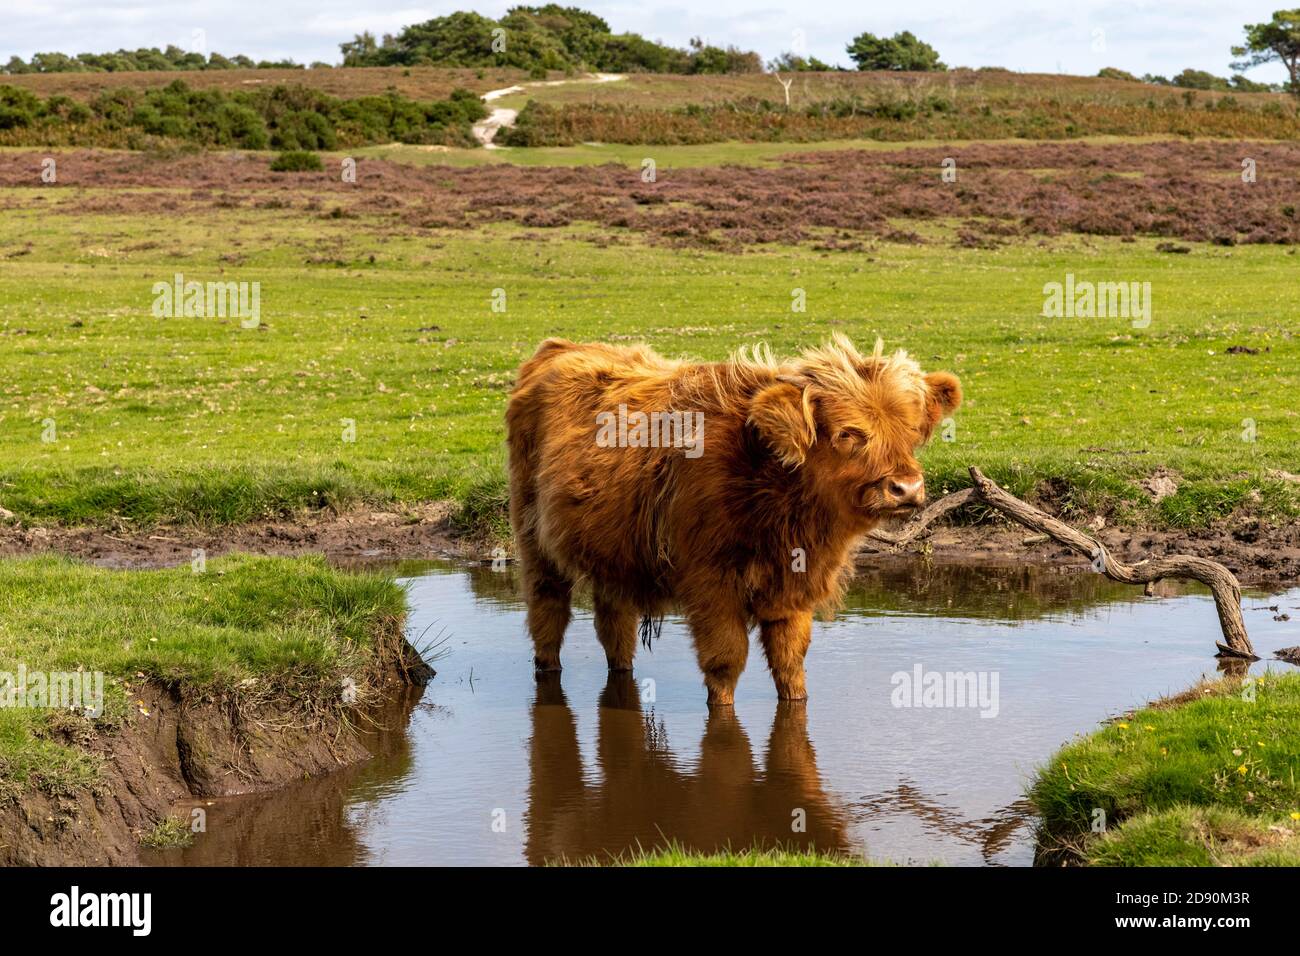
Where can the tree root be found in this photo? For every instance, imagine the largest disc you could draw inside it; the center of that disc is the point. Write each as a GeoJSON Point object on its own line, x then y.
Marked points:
{"type": "Point", "coordinates": [1220, 581]}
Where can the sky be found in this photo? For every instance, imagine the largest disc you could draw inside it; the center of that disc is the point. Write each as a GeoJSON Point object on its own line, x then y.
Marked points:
{"type": "Point", "coordinates": [1041, 36]}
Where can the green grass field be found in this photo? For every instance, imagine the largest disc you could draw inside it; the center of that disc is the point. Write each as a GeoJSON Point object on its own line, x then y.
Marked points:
{"type": "Point", "coordinates": [110, 415]}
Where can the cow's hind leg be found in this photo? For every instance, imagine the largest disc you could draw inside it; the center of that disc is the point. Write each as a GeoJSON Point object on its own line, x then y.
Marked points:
{"type": "Point", "coordinates": [548, 594]}
{"type": "Point", "coordinates": [616, 623]}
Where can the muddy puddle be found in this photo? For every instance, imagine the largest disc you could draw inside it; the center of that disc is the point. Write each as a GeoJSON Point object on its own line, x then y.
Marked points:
{"type": "Point", "coordinates": [488, 766]}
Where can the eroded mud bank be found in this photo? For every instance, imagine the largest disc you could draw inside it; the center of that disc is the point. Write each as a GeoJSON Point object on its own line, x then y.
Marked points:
{"type": "Point", "coordinates": [175, 750]}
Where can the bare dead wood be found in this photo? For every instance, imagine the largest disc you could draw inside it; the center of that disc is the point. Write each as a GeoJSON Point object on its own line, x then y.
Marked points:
{"type": "Point", "coordinates": [919, 523]}
{"type": "Point", "coordinates": [1221, 582]}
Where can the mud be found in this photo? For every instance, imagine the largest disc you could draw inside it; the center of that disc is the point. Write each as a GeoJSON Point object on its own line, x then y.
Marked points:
{"type": "Point", "coordinates": [419, 531]}
{"type": "Point", "coordinates": [1257, 552]}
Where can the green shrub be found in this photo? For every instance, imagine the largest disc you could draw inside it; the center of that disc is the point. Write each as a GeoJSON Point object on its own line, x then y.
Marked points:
{"type": "Point", "coordinates": [297, 161]}
{"type": "Point", "coordinates": [240, 125]}
{"type": "Point", "coordinates": [280, 117]}
{"type": "Point", "coordinates": [172, 58]}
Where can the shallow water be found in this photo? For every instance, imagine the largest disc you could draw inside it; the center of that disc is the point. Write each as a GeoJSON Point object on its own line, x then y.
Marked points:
{"type": "Point", "coordinates": [489, 766]}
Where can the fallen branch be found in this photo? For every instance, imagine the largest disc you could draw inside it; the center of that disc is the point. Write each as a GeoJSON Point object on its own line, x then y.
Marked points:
{"type": "Point", "coordinates": [921, 522]}
{"type": "Point", "coordinates": [1221, 582]}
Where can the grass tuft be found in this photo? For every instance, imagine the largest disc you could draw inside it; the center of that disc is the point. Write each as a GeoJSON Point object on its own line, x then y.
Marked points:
{"type": "Point", "coordinates": [167, 833]}
{"type": "Point", "coordinates": [676, 855]}
{"type": "Point", "coordinates": [484, 510]}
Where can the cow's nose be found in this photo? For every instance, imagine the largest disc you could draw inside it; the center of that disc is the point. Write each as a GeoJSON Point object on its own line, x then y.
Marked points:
{"type": "Point", "coordinates": [906, 492]}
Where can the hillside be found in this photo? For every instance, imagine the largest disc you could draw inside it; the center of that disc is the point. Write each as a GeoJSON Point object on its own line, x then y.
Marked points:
{"type": "Point", "coordinates": [958, 104]}
{"type": "Point", "coordinates": [421, 83]}
{"type": "Point", "coordinates": [661, 109]}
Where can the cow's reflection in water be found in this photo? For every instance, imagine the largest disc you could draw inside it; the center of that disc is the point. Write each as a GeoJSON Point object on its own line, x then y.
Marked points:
{"type": "Point", "coordinates": [641, 797]}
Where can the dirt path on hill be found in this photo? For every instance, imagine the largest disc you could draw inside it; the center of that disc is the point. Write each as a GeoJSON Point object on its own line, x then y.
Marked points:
{"type": "Point", "coordinates": [485, 131]}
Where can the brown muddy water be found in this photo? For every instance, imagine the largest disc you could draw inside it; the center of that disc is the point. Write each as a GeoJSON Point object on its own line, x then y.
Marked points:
{"type": "Point", "coordinates": [487, 766]}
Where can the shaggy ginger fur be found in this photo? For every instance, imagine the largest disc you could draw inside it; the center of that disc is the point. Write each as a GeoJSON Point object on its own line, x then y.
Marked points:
{"type": "Point", "coordinates": [799, 460]}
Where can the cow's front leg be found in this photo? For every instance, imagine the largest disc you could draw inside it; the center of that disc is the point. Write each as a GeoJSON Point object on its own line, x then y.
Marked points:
{"type": "Point", "coordinates": [785, 642]}
{"type": "Point", "coordinates": [721, 646]}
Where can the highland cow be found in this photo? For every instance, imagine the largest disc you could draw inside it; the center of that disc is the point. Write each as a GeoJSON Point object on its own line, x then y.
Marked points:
{"type": "Point", "coordinates": [796, 462]}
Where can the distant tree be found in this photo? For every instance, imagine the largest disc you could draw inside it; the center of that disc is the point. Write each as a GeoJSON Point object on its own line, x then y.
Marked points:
{"type": "Point", "coordinates": [632, 53]}
{"type": "Point", "coordinates": [793, 63]}
{"type": "Point", "coordinates": [181, 60]}
{"type": "Point", "coordinates": [1277, 41]}
{"type": "Point", "coordinates": [706, 58]}
{"type": "Point", "coordinates": [902, 51]}
{"type": "Point", "coordinates": [359, 49]}
{"type": "Point", "coordinates": [1244, 85]}
{"type": "Point", "coordinates": [151, 58]}
{"type": "Point", "coordinates": [582, 34]}
{"type": "Point", "coordinates": [55, 63]}
{"type": "Point", "coordinates": [1200, 80]}
{"type": "Point", "coordinates": [458, 39]}
{"type": "Point", "coordinates": [537, 39]}
{"type": "Point", "coordinates": [1113, 73]}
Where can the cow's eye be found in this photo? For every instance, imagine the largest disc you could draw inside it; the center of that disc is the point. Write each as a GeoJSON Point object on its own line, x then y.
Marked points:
{"type": "Point", "coordinates": [849, 440]}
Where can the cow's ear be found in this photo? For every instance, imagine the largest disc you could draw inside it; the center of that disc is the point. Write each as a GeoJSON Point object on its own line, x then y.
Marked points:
{"type": "Point", "coordinates": [943, 395]}
{"type": "Point", "coordinates": [783, 415]}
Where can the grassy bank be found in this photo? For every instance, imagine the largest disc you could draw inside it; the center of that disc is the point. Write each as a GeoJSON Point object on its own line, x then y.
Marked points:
{"type": "Point", "coordinates": [379, 370]}
{"type": "Point", "coordinates": [1210, 779]}
{"type": "Point", "coordinates": [246, 629]}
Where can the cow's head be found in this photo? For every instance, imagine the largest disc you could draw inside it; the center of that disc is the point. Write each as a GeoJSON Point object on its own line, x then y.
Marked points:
{"type": "Point", "coordinates": [853, 423]}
